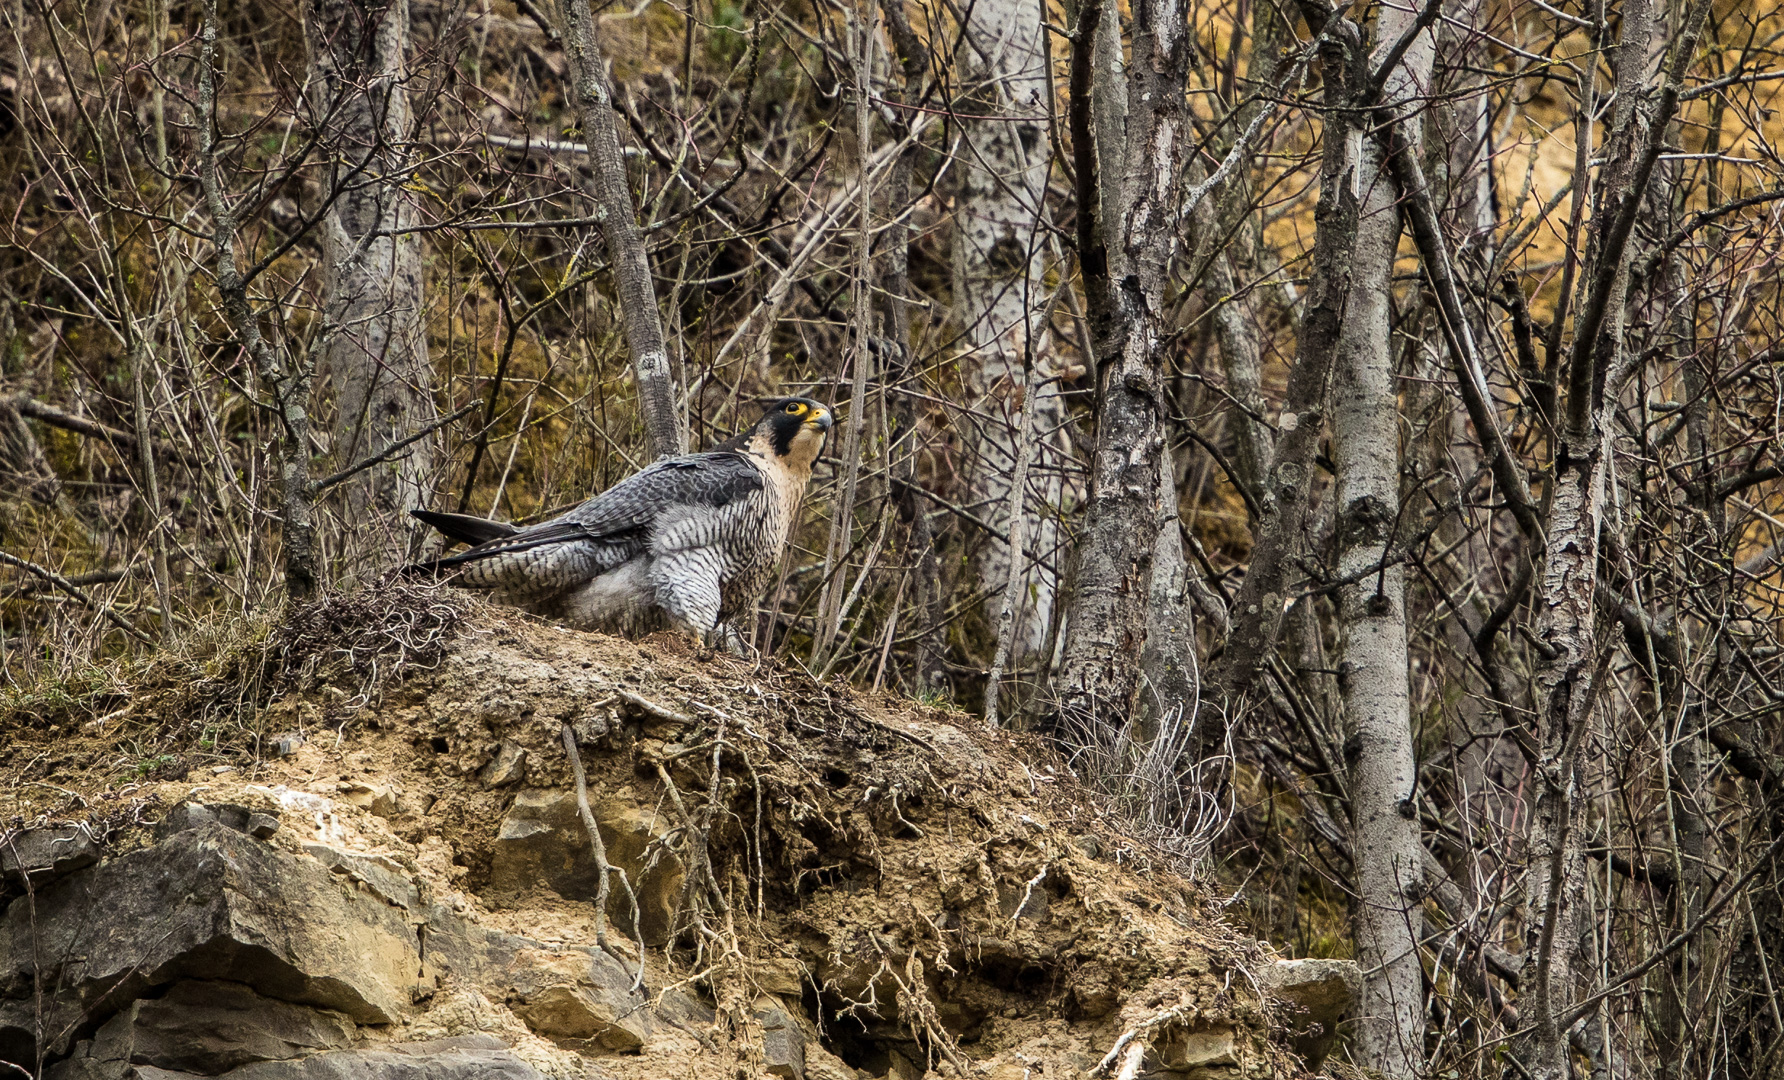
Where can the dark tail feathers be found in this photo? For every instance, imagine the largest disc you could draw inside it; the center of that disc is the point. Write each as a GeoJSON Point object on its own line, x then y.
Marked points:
{"type": "Point", "coordinates": [464, 528]}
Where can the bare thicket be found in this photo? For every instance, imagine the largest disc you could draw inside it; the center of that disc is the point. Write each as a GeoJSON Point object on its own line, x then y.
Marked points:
{"type": "Point", "coordinates": [1353, 436]}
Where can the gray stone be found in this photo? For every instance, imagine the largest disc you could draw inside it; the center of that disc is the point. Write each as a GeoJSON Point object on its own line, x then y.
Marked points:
{"type": "Point", "coordinates": [1321, 994]}
{"type": "Point", "coordinates": [207, 903]}
{"type": "Point", "coordinates": [288, 743]}
{"type": "Point", "coordinates": [262, 826]}
{"type": "Point", "coordinates": [384, 878]}
{"type": "Point", "coordinates": [507, 767]}
{"type": "Point", "coordinates": [211, 1027]}
{"type": "Point", "coordinates": [375, 798]}
{"type": "Point", "coordinates": [466, 1057]}
{"type": "Point", "coordinates": [45, 854]}
{"type": "Point", "coordinates": [783, 1044]}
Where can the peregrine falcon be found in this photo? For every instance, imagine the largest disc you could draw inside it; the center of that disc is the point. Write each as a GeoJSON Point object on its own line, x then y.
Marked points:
{"type": "Point", "coordinates": [689, 541]}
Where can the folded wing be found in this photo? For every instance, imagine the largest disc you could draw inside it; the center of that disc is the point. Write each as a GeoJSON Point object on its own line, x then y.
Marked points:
{"type": "Point", "coordinates": [602, 534]}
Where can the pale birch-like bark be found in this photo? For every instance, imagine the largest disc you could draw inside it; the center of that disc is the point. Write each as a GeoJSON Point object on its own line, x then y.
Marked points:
{"type": "Point", "coordinates": [372, 277]}
{"type": "Point", "coordinates": [1373, 687]}
{"type": "Point", "coordinates": [999, 294]}
{"type": "Point", "coordinates": [1567, 678]}
{"type": "Point", "coordinates": [639, 317]}
{"type": "Point", "coordinates": [1115, 558]}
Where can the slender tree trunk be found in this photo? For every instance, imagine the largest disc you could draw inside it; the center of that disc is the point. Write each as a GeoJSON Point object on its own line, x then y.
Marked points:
{"type": "Point", "coordinates": [928, 674]}
{"type": "Point", "coordinates": [1568, 675]}
{"type": "Point", "coordinates": [1284, 500]}
{"type": "Point", "coordinates": [999, 291]}
{"type": "Point", "coordinates": [285, 383]}
{"type": "Point", "coordinates": [1373, 687]}
{"type": "Point", "coordinates": [1227, 243]}
{"type": "Point", "coordinates": [642, 322]}
{"type": "Point", "coordinates": [378, 361]}
{"type": "Point", "coordinates": [1106, 625]}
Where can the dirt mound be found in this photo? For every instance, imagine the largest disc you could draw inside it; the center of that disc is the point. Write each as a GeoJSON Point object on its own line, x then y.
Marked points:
{"type": "Point", "coordinates": [803, 880]}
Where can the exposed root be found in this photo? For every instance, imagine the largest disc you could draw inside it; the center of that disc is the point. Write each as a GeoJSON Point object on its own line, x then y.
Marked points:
{"type": "Point", "coordinates": [646, 705]}
{"type": "Point", "coordinates": [603, 868]}
{"type": "Point", "coordinates": [1135, 1041]}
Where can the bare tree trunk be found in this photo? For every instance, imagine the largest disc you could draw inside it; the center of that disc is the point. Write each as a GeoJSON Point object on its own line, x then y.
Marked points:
{"type": "Point", "coordinates": [861, 363]}
{"type": "Point", "coordinates": [1283, 500]}
{"type": "Point", "coordinates": [928, 674]}
{"type": "Point", "coordinates": [1169, 660]}
{"type": "Point", "coordinates": [998, 290]}
{"type": "Point", "coordinates": [1106, 625]}
{"type": "Point", "coordinates": [1373, 686]}
{"type": "Point", "coordinates": [1227, 244]}
{"type": "Point", "coordinates": [378, 361]}
{"type": "Point", "coordinates": [1567, 678]}
{"type": "Point", "coordinates": [287, 384]}
{"type": "Point", "coordinates": [642, 322]}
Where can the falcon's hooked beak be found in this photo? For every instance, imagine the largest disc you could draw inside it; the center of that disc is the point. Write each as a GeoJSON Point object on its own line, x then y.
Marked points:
{"type": "Point", "coordinates": [820, 419]}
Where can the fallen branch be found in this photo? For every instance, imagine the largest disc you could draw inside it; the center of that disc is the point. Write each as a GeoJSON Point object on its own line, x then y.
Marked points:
{"type": "Point", "coordinates": [97, 577]}
{"type": "Point", "coordinates": [75, 591]}
{"type": "Point", "coordinates": [661, 712]}
{"type": "Point", "coordinates": [1138, 1032]}
{"type": "Point", "coordinates": [92, 429]}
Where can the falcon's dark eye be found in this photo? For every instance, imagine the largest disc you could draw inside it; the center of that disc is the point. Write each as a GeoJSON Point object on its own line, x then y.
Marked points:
{"type": "Point", "coordinates": [794, 408]}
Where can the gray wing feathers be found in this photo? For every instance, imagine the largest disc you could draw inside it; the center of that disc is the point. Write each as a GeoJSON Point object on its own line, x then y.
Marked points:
{"type": "Point", "coordinates": [660, 508]}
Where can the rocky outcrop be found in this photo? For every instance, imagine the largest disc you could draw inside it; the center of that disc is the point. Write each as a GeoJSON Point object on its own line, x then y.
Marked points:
{"type": "Point", "coordinates": [825, 889]}
{"type": "Point", "coordinates": [467, 1057]}
{"type": "Point", "coordinates": [207, 903]}
{"type": "Point", "coordinates": [213, 952]}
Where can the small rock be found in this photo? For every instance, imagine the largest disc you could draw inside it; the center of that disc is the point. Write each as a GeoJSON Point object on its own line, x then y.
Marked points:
{"type": "Point", "coordinates": [43, 855]}
{"type": "Point", "coordinates": [373, 797]}
{"type": "Point", "coordinates": [1181, 1051]}
{"type": "Point", "coordinates": [580, 994]}
{"type": "Point", "coordinates": [783, 1044]}
{"type": "Point", "coordinates": [262, 826]}
{"type": "Point", "coordinates": [1323, 993]}
{"type": "Point", "coordinates": [781, 975]}
{"type": "Point", "coordinates": [233, 815]}
{"type": "Point", "coordinates": [1089, 845]}
{"type": "Point", "coordinates": [184, 816]}
{"type": "Point", "coordinates": [220, 770]}
{"type": "Point", "coordinates": [592, 728]}
{"type": "Point", "coordinates": [508, 766]}
{"type": "Point", "coordinates": [287, 744]}
{"type": "Point", "coordinates": [382, 877]}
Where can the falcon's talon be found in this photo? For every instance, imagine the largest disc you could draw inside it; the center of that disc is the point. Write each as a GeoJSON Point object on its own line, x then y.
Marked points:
{"type": "Point", "coordinates": [688, 541]}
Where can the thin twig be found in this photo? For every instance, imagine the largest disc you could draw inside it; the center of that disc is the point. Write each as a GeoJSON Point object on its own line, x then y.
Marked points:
{"type": "Point", "coordinates": [387, 453]}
